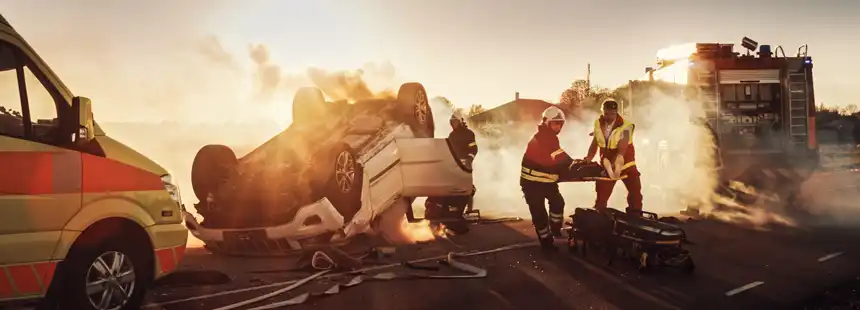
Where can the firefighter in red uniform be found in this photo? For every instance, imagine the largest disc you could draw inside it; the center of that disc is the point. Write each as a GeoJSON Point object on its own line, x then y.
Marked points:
{"type": "Point", "coordinates": [613, 136]}
{"type": "Point", "coordinates": [542, 162]}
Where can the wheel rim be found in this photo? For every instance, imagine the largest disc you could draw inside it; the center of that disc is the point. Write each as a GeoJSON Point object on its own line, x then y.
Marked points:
{"type": "Point", "coordinates": [421, 107]}
{"type": "Point", "coordinates": [110, 281]}
{"type": "Point", "coordinates": [344, 171]}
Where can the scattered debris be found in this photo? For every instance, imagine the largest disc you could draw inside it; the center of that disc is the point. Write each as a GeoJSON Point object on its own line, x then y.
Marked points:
{"type": "Point", "coordinates": [473, 272]}
{"type": "Point", "coordinates": [186, 278]}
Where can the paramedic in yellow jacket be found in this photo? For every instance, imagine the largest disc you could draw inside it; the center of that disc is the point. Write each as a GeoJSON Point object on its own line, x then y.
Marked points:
{"type": "Point", "coordinates": [613, 136]}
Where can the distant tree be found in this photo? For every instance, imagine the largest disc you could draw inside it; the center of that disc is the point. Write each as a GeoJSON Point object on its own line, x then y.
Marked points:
{"type": "Point", "coordinates": [582, 96]}
{"type": "Point", "coordinates": [850, 109]}
{"type": "Point", "coordinates": [475, 109]}
{"type": "Point", "coordinates": [573, 97]}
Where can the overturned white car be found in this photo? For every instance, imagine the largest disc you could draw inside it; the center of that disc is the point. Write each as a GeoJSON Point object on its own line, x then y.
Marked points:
{"type": "Point", "coordinates": [336, 172]}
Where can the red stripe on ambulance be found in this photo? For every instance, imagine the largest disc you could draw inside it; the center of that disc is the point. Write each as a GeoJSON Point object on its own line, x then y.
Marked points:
{"type": "Point", "coordinates": [107, 175]}
{"type": "Point", "coordinates": [26, 173]}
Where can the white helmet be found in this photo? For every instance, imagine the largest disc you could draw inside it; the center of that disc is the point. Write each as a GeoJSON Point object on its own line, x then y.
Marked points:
{"type": "Point", "coordinates": [553, 114]}
{"type": "Point", "coordinates": [456, 116]}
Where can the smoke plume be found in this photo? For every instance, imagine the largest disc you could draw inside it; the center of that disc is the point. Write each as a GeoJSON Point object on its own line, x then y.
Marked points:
{"type": "Point", "coordinates": [669, 183]}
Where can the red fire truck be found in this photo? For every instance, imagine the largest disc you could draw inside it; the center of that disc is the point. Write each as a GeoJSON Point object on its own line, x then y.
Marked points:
{"type": "Point", "coordinates": [760, 107]}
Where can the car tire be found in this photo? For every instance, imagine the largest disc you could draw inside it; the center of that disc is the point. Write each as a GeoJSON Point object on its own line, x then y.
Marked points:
{"type": "Point", "coordinates": [308, 105]}
{"type": "Point", "coordinates": [414, 108]}
{"type": "Point", "coordinates": [212, 166]}
{"type": "Point", "coordinates": [79, 269]}
{"type": "Point", "coordinates": [345, 184]}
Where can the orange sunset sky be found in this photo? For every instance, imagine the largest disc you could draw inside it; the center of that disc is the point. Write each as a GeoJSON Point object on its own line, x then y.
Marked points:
{"type": "Point", "coordinates": [136, 58]}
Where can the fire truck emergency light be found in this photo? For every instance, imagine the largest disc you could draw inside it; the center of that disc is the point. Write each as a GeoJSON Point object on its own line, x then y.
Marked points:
{"type": "Point", "coordinates": [749, 44]}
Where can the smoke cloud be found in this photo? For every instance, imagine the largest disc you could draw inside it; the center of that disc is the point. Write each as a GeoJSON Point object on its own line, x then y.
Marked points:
{"type": "Point", "coordinates": [670, 183]}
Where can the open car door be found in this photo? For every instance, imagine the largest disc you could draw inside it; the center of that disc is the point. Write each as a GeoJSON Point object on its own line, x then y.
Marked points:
{"type": "Point", "coordinates": [416, 167]}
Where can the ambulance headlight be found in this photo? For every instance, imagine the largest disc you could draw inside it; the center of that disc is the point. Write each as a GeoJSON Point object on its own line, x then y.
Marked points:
{"type": "Point", "coordinates": [172, 189]}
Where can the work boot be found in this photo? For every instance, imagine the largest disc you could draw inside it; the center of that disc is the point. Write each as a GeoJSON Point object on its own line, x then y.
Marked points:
{"type": "Point", "coordinates": [546, 245]}
{"type": "Point", "coordinates": [556, 231]}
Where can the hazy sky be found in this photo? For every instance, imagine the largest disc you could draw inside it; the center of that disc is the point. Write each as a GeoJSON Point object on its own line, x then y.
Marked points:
{"type": "Point", "coordinates": [471, 51]}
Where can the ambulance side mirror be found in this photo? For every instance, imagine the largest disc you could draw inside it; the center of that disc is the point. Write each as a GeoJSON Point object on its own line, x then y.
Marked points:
{"type": "Point", "coordinates": [82, 112]}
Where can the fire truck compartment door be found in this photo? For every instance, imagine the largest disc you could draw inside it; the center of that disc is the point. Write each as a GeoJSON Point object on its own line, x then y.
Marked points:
{"type": "Point", "coordinates": [415, 167]}
{"type": "Point", "coordinates": [765, 76]}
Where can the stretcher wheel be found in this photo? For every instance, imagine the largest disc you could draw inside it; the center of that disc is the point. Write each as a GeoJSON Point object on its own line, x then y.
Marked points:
{"type": "Point", "coordinates": [571, 244]}
{"type": "Point", "coordinates": [646, 262]}
{"type": "Point", "coordinates": [689, 266]}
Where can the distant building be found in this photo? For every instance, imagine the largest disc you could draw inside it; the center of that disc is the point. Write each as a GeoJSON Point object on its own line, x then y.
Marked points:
{"type": "Point", "coordinates": [517, 111]}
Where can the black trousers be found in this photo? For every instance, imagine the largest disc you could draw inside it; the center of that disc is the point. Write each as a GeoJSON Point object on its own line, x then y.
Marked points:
{"type": "Point", "coordinates": [535, 194]}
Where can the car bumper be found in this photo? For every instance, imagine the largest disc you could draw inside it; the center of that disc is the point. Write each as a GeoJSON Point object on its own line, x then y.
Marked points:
{"type": "Point", "coordinates": [315, 225]}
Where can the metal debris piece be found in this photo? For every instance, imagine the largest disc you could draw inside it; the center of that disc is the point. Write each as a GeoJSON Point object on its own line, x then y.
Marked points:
{"type": "Point", "coordinates": [289, 302]}
{"type": "Point", "coordinates": [474, 272]}
{"type": "Point", "coordinates": [384, 276]}
{"type": "Point", "coordinates": [275, 293]}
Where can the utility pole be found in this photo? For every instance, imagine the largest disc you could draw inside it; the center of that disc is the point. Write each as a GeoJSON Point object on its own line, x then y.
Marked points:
{"type": "Point", "coordinates": [588, 77]}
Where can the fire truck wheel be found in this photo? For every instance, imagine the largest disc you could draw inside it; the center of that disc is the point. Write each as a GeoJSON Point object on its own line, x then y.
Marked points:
{"type": "Point", "coordinates": [415, 109]}
{"type": "Point", "coordinates": [212, 165]}
{"type": "Point", "coordinates": [110, 275]}
{"type": "Point", "coordinates": [345, 184]}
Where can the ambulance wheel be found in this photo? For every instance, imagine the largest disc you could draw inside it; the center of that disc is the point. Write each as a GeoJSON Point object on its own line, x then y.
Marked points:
{"type": "Point", "coordinates": [344, 186]}
{"type": "Point", "coordinates": [109, 275]}
{"type": "Point", "coordinates": [415, 109]}
{"type": "Point", "coordinates": [212, 165]}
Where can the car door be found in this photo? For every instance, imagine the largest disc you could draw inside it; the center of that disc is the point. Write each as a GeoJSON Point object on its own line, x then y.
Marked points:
{"type": "Point", "coordinates": [40, 183]}
{"type": "Point", "coordinates": [415, 167]}
{"type": "Point", "coordinates": [430, 168]}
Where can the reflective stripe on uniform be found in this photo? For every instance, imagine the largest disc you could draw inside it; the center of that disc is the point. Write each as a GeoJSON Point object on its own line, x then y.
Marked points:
{"type": "Point", "coordinates": [614, 136]}
{"type": "Point", "coordinates": [537, 176]}
{"type": "Point", "coordinates": [26, 279]}
{"type": "Point", "coordinates": [556, 153]}
{"type": "Point", "coordinates": [473, 144]}
{"type": "Point", "coordinates": [471, 155]}
{"type": "Point", "coordinates": [543, 232]}
{"type": "Point", "coordinates": [628, 165]}
{"type": "Point", "coordinates": [555, 217]}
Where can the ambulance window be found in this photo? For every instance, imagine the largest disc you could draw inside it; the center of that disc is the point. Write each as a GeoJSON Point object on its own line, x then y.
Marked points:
{"type": "Point", "coordinates": [11, 119]}
{"type": "Point", "coordinates": [43, 109]}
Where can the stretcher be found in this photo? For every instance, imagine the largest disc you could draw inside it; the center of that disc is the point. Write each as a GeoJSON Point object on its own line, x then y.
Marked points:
{"type": "Point", "coordinates": [589, 171]}
{"type": "Point", "coordinates": [642, 239]}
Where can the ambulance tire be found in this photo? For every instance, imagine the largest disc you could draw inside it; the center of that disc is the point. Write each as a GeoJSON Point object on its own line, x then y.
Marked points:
{"type": "Point", "coordinates": [74, 272]}
{"type": "Point", "coordinates": [414, 109]}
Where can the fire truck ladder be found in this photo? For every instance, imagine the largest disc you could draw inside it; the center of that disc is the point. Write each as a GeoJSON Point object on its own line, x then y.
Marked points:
{"type": "Point", "coordinates": [708, 83]}
{"type": "Point", "coordinates": [798, 103]}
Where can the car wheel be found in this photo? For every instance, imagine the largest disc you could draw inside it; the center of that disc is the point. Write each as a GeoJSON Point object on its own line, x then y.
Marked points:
{"type": "Point", "coordinates": [415, 109]}
{"type": "Point", "coordinates": [112, 275]}
{"type": "Point", "coordinates": [212, 165]}
{"type": "Point", "coordinates": [308, 105]}
{"type": "Point", "coordinates": [344, 188]}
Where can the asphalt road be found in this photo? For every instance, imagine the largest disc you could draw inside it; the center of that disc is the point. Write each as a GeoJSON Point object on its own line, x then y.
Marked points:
{"type": "Point", "coordinates": [737, 268]}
